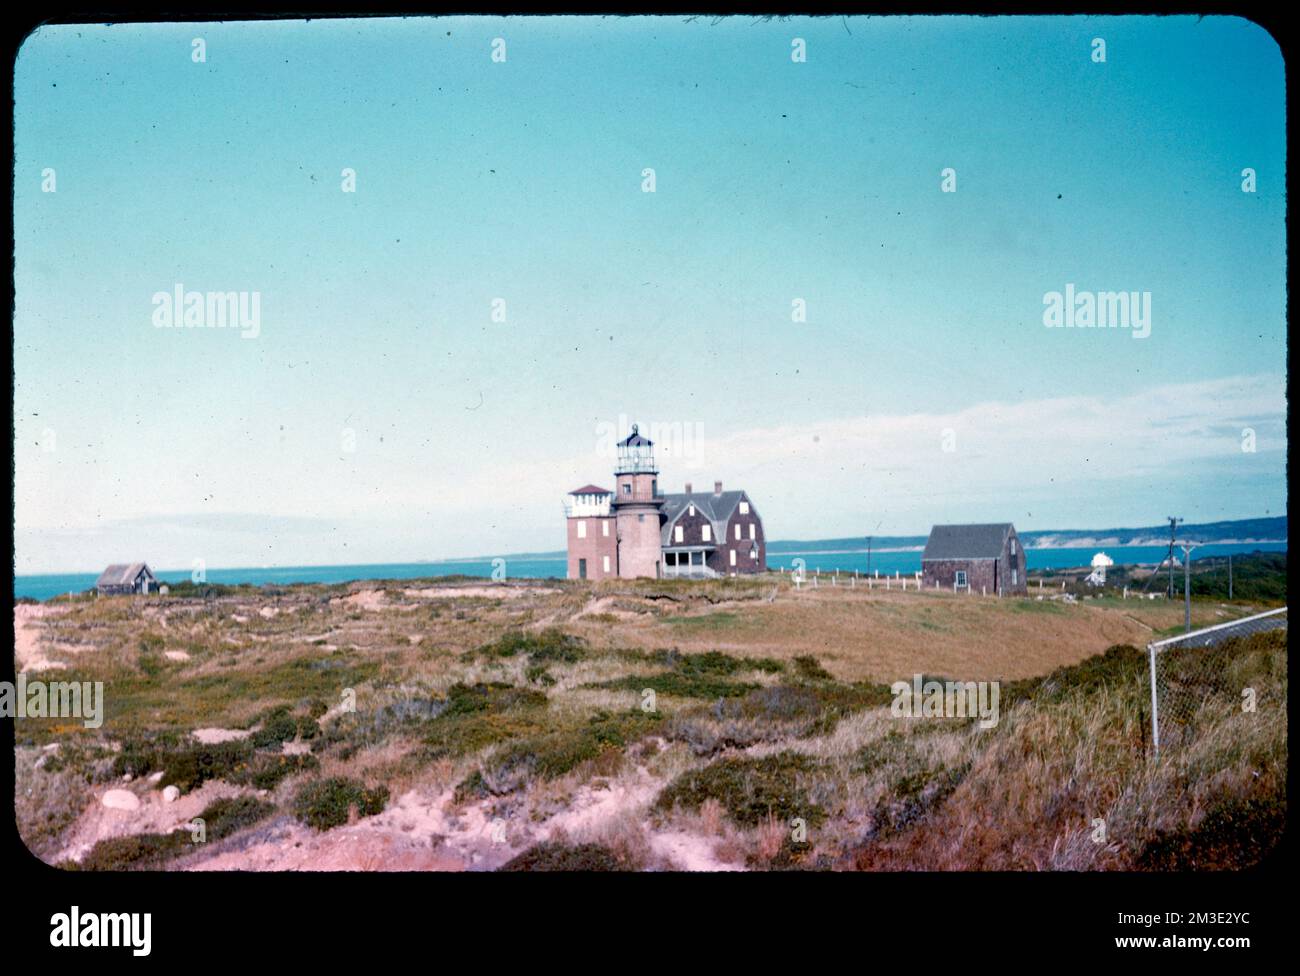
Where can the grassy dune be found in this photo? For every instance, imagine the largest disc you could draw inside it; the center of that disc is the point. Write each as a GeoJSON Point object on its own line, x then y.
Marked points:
{"type": "Point", "coordinates": [737, 723]}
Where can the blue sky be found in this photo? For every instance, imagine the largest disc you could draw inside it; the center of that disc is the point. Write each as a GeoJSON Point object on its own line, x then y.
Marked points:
{"type": "Point", "coordinates": [382, 415]}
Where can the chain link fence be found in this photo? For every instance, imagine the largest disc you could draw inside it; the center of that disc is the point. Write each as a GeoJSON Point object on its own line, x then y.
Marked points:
{"type": "Point", "coordinates": [1204, 673]}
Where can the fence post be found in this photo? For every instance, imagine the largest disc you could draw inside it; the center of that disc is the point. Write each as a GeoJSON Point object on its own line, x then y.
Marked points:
{"type": "Point", "coordinates": [1155, 706]}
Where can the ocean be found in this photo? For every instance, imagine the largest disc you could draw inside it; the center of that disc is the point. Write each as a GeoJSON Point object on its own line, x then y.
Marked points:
{"type": "Point", "coordinates": [44, 587]}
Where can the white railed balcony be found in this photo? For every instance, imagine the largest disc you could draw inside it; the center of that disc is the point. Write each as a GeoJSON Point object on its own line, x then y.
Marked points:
{"type": "Point", "coordinates": [575, 509]}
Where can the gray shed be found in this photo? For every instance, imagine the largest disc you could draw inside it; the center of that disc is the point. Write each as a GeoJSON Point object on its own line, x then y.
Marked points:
{"type": "Point", "coordinates": [126, 578]}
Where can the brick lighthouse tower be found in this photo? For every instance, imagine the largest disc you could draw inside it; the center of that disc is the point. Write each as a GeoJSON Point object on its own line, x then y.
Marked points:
{"type": "Point", "coordinates": [637, 507]}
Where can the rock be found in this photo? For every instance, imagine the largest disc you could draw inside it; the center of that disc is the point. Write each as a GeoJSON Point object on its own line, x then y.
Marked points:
{"type": "Point", "coordinates": [171, 794]}
{"type": "Point", "coordinates": [121, 800]}
{"type": "Point", "coordinates": [153, 778]}
{"type": "Point", "coordinates": [176, 655]}
{"type": "Point", "coordinates": [127, 777]}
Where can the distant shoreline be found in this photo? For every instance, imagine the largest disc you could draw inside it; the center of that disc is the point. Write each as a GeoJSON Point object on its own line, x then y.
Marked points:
{"type": "Point", "coordinates": [1080, 544]}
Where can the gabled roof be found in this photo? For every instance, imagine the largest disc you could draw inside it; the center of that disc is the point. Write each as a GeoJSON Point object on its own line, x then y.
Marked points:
{"type": "Point", "coordinates": [121, 574]}
{"type": "Point", "coordinates": [590, 490]}
{"type": "Point", "coordinates": [967, 541]}
{"type": "Point", "coordinates": [716, 508]}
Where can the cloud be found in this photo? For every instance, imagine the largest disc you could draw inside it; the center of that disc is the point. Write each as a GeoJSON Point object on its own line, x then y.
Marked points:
{"type": "Point", "coordinates": [1064, 462]}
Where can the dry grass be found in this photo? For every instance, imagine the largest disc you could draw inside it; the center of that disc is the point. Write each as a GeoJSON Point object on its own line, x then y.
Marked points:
{"type": "Point", "coordinates": [937, 794]}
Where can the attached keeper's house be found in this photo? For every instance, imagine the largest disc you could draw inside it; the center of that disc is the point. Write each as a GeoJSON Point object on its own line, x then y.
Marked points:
{"type": "Point", "coordinates": [126, 578]}
{"type": "Point", "coordinates": [635, 530]}
{"type": "Point", "coordinates": [975, 558]}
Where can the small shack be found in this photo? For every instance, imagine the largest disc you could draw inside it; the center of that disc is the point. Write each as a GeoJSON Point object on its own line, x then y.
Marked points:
{"type": "Point", "coordinates": [126, 578]}
{"type": "Point", "coordinates": [975, 558]}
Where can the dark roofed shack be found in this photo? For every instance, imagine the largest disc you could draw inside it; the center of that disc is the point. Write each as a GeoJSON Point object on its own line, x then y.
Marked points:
{"type": "Point", "coordinates": [126, 578]}
{"type": "Point", "coordinates": [981, 558]}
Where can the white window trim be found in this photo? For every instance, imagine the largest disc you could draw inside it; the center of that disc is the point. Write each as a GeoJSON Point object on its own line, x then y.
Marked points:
{"type": "Point", "coordinates": [744, 508]}
{"type": "Point", "coordinates": [733, 557]}
{"type": "Point", "coordinates": [605, 563]}
{"type": "Point", "coordinates": [752, 527]}
{"type": "Point", "coordinates": [604, 527]}
{"type": "Point", "coordinates": [680, 534]}
{"type": "Point", "coordinates": [737, 531]}
{"type": "Point", "coordinates": [707, 532]}
{"type": "Point", "coordinates": [582, 528]}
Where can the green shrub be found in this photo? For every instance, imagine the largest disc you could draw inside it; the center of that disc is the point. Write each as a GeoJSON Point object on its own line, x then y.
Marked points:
{"type": "Point", "coordinates": [807, 667]}
{"type": "Point", "coordinates": [277, 726]}
{"type": "Point", "coordinates": [552, 754]}
{"type": "Point", "coordinates": [751, 790]}
{"type": "Point", "coordinates": [552, 856]}
{"type": "Point", "coordinates": [185, 766]}
{"type": "Point", "coordinates": [221, 818]}
{"type": "Point", "coordinates": [326, 803]}
{"type": "Point", "coordinates": [1234, 834]}
{"type": "Point", "coordinates": [550, 645]}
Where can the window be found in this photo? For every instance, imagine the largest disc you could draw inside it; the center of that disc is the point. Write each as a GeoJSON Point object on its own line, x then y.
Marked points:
{"type": "Point", "coordinates": [641, 517]}
{"type": "Point", "coordinates": [751, 530]}
{"type": "Point", "coordinates": [582, 529]}
{"type": "Point", "coordinates": [582, 569]}
{"type": "Point", "coordinates": [737, 531]}
{"type": "Point", "coordinates": [733, 557]}
{"type": "Point", "coordinates": [707, 532]}
{"type": "Point", "coordinates": [680, 534]}
{"type": "Point", "coordinates": [690, 510]}
{"type": "Point", "coordinates": [961, 577]}
{"type": "Point", "coordinates": [627, 487]}
{"type": "Point", "coordinates": [753, 552]}
{"type": "Point", "coordinates": [744, 508]}
{"type": "Point", "coordinates": [1013, 546]}
{"type": "Point", "coordinates": [604, 527]}
{"type": "Point", "coordinates": [605, 560]}
{"type": "Point", "coordinates": [1015, 577]}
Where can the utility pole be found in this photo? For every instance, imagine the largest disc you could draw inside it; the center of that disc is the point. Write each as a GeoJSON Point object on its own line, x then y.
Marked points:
{"type": "Point", "coordinates": [1187, 548]}
{"type": "Point", "coordinates": [1173, 525]}
{"type": "Point", "coordinates": [868, 555]}
{"type": "Point", "coordinates": [1229, 576]}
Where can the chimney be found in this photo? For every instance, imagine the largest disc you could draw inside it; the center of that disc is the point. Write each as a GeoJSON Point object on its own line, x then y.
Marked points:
{"type": "Point", "coordinates": [688, 487]}
{"type": "Point", "coordinates": [717, 487]}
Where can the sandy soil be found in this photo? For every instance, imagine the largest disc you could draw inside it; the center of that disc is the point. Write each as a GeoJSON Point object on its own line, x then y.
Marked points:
{"type": "Point", "coordinates": [423, 831]}
{"type": "Point", "coordinates": [98, 822]}
{"type": "Point", "coordinates": [29, 652]}
{"type": "Point", "coordinates": [499, 592]}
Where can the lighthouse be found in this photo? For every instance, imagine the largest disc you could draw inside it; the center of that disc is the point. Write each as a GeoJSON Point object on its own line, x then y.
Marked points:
{"type": "Point", "coordinates": [637, 508]}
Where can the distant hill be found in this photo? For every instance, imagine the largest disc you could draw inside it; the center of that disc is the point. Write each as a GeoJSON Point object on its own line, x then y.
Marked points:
{"type": "Point", "coordinates": [1239, 530]}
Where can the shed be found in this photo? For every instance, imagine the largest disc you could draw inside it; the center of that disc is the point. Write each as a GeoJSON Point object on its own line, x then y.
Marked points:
{"type": "Point", "coordinates": [985, 558]}
{"type": "Point", "coordinates": [126, 578]}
